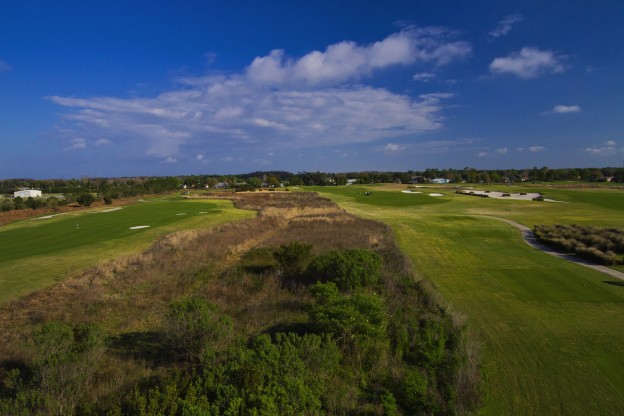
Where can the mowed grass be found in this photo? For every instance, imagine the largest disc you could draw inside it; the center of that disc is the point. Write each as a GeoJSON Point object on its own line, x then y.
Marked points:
{"type": "Point", "coordinates": [35, 253]}
{"type": "Point", "coordinates": [551, 331]}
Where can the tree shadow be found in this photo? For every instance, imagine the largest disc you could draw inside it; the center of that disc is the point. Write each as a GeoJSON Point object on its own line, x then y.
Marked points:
{"type": "Point", "coordinates": [614, 283]}
{"type": "Point", "coordinates": [299, 328]}
{"type": "Point", "coordinates": [149, 346]}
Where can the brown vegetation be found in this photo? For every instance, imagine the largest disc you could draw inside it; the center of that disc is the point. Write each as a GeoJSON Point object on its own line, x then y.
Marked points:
{"type": "Point", "coordinates": [129, 297]}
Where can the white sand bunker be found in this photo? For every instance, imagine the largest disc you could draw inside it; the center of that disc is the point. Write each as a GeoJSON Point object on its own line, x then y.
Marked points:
{"type": "Point", "coordinates": [411, 192]}
{"type": "Point", "coordinates": [436, 194]}
{"type": "Point", "coordinates": [47, 217]}
{"type": "Point", "coordinates": [111, 209]}
{"type": "Point", "coordinates": [136, 227]}
{"type": "Point", "coordinates": [203, 212]}
{"type": "Point", "coordinates": [182, 213]}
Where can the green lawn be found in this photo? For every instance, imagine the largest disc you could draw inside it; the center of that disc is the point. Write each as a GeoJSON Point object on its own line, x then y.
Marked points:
{"type": "Point", "coordinates": [36, 252]}
{"type": "Point", "coordinates": [551, 331]}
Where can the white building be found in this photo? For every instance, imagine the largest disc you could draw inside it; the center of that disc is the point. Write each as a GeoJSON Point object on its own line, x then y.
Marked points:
{"type": "Point", "coordinates": [26, 193]}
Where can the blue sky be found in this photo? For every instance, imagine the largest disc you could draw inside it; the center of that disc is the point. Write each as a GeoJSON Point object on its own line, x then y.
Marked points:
{"type": "Point", "coordinates": [118, 88]}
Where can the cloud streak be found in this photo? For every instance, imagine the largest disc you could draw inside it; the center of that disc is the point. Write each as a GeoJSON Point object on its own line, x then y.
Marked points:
{"type": "Point", "coordinates": [504, 26]}
{"type": "Point", "coordinates": [274, 103]}
{"type": "Point", "coordinates": [529, 63]}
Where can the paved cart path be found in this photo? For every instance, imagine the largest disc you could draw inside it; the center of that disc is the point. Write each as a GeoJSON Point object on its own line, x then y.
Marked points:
{"type": "Point", "coordinates": [530, 239]}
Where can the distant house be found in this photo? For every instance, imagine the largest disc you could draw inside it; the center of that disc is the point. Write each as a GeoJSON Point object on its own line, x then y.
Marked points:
{"type": "Point", "coordinates": [351, 181]}
{"type": "Point", "coordinates": [440, 180]}
{"type": "Point", "coordinates": [27, 193]}
{"type": "Point", "coordinates": [221, 185]}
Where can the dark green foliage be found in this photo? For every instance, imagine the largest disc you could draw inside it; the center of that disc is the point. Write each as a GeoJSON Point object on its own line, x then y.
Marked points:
{"type": "Point", "coordinates": [601, 245]}
{"type": "Point", "coordinates": [66, 359]}
{"type": "Point", "coordinates": [192, 323]}
{"type": "Point", "coordinates": [18, 202]}
{"type": "Point", "coordinates": [293, 258]}
{"type": "Point", "coordinates": [85, 199]}
{"type": "Point", "coordinates": [7, 205]}
{"type": "Point", "coordinates": [348, 317]}
{"type": "Point", "coordinates": [348, 269]}
{"type": "Point", "coordinates": [108, 199]}
{"type": "Point", "coordinates": [287, 375]}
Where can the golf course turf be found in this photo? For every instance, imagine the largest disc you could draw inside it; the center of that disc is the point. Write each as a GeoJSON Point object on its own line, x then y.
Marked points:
{"type": "Point", "coordinates": [550, 331]}
{"type": "Point", "coordinates": [39, 251]}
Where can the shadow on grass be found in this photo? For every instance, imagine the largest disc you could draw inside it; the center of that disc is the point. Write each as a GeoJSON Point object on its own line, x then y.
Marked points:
{"type": "Point", "coordinates": [614, 283]}
{"type": "Point", "coordinates": [148, 346]}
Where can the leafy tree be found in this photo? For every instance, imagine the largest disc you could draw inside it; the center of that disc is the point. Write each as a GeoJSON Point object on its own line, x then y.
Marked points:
{"type": "Point", "coordinates": [18, 202]}
{"type": "Point", "coordinates": [349, 269]}
{"type": "Point", "coordinates": [348, 317]}
{"type": "Point", "coordinates": [7, 205]}
{"type": "Point", "coordinates": [293, 258]}
{"type": "Point", "coordinates": [85, 199]}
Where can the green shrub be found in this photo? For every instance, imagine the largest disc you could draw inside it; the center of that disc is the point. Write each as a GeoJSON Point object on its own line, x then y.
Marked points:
{"type": "Point", "coordinates": [348, 269]}
{"type": "Point", "coordinates": [293, 259]}
{"type": "Point", "coordinates": [191, 323]}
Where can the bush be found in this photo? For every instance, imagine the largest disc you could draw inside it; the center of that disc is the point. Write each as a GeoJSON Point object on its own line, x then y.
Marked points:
{"type": "Point", "coordinates": [85, 199]}
{"type": "Point", "coordinates": [348, 269]}
{"type": "Point", "coordinates": [191, 323]}
{"type": "Point", "coordinates": [7, 205]}
{"type": "Point", "coordinates": [293, 259]}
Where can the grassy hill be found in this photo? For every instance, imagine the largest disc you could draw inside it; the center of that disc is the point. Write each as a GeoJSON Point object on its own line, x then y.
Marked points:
{"type": "Point", "coordinates": [552, 342]}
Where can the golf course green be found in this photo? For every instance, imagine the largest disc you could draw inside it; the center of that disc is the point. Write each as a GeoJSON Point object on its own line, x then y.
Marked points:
{"type": "Point", "coordinates": [36, 252]}
{"type": "Point", "coordinates": [550, 331]}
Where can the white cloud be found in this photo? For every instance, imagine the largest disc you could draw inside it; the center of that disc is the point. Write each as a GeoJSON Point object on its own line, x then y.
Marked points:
{"type": "Point", "coordinates": [199, 157]}
{"type": "Point", "coordinates": [102, 142]}
{"type": "Point", "coordinates": [424, 76]}
{"type": "Point", "coordinates": [504, 26]}
{"type": "Point", "coordinates": [393, 148]}
{"type": "Point", "coordinates": [502, 150]}
{"type": "Point", "coordinates": [4, 66]}
{"type": "Point", "coordinates": [529, 63]}
{"type": "Point", "coordinates": [275, 103]}
{"type": "Point", "coordinates": [536, 149]}
{"type": "Point", "coordinates": [608, 148]}
{"type": "Point", "coordinates": [562, 109]}
{"type": "Point", "coordinates": [482, 154]}
{"type": "Point", "coordinates": [76, 144]}
{"type": "Point", "coordinates": [346, 61]}
{"type": "Point", "coordinates": [170, 159]}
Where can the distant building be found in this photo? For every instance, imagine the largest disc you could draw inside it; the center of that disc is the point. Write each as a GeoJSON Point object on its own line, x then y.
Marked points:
{"type": "Point", "coordinates": [351, 181]}
{"type": "Point", "coordinates": [27, 193]}
{"type": "Point", "coordinates": [440, 180]}
{"type": "Point", "coordinates": [221, 185]}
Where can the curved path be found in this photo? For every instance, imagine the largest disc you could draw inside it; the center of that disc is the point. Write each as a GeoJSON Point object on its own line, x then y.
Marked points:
{"type": "Point", "coordinates": [530, 239]}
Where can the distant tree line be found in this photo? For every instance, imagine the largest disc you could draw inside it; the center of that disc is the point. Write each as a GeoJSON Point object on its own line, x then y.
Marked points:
{"type": "Point", "coordinates": [86, 190]}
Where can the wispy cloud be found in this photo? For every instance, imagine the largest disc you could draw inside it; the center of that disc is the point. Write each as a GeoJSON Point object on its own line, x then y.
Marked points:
{"type": "Point", "coordinates": [76, 144]}
{"type": "Point", "coordinates": [276, 102]}
{"type": "Point", "coordinates": [424, 76]}
{"type": "Point", "coordinates": [563, 109]}
{"type": "Point", "coordinates": [536, 149]}
{"type": "Point", "coordinates": [504, 26]}
{"type": "Point", "coordinates": [394, 148]}
{"type": "Point", "coordinates": [4, 66]}
{"type": "Point", "coordinates": [529, 63]}
{"type": "Point", "coordinates": [608, 148]}
{"type": "Point", "coordinates": [502, 150]}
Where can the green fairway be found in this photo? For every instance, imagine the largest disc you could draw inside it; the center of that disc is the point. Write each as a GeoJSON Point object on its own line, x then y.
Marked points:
{"type": "Point", "coordinates": [551, 334]}
{"type": "Point", "coordinates": [36, 252]}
